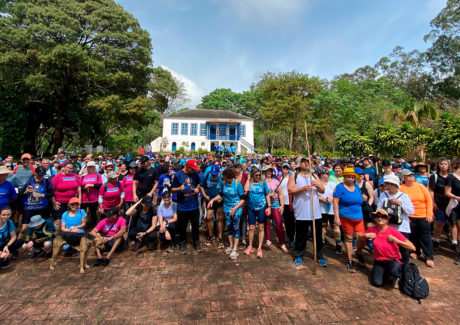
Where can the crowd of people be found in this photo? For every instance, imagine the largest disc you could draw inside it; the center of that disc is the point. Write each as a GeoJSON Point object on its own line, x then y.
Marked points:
{"type": "Point", "coordinates": [395, 210]}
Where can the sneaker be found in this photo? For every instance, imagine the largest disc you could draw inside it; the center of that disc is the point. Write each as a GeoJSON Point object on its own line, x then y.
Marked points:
{"type": "Point", "coordinates": [208, 241]}
{"type": "Point", "coordinates": [395, 283]}
{"type": "Point", "coordinates": [136, 246]}
{"type": "Point", "coordinates": [183, 249]}
{"type": "Point", "coordinates": [248, 250]}
{"type": "Point", "coordinates": [98, 262]}
{"type": "Point", "coordinates": [228, 250]}
{"type": "Point", "coordinates": [322, 262]}
{"type": "Point", "coordinates": [105, 261]}
{"type": "Point", "coordinates": [197, 246]}
{"type": "Point", "coordinates": [5, 264]}
{"type": "Point", "coordinates": [233, 255]}
{"type": "Point", "coordinates": [298, 261]}
{"type": "Point", "coordinates": [36, 255]}
{"type": "Point", "coordinates": [360, 258]}
{"type": "Point", "coordinates": [351, 267]}
{"type": "Point", "coordinates": [220, 243]}
{"type": "Point", "coordinates": [338, 248]}
{"type": "Point", "coordinates": [259, 253]}
{"type": "Point", "coordinates": [170, 248]}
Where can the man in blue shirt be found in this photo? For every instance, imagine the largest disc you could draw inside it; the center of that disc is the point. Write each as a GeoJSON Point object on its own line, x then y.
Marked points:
{"type": "Point", "coordinates": [7, 191]}
{"type": "Point", "coordinates": [186, 184]}
{"type": "Point", "coordinates": [210, 187]}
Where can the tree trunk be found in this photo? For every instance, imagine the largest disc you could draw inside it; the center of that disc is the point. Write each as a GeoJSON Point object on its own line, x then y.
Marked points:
{"type": "Point", "coordinates": [59, 128]}
{"type": "Point", "coordinates": [31, 131]}
{"type": "Point", "coordinates": [293, 137]}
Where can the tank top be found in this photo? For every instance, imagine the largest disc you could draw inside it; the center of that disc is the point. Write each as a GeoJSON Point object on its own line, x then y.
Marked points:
{"type": "Point", "coordinates": [302, 201]}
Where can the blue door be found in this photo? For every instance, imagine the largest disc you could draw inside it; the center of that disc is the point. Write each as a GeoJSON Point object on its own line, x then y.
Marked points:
{"type": "Point", "coordinates": [213, 146]}
{"type": "Point", "coordinates": [232, 132]}
{"type": "Point", "coordinates": [192, 147]}
{"type": "Point", "coordinates": [174, 145]}
{"type": "Point", "coordinates": [212, 132]}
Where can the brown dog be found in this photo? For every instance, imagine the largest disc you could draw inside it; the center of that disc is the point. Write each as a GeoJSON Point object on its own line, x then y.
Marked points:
{"type": "Point", "coordinates": [83, 248]}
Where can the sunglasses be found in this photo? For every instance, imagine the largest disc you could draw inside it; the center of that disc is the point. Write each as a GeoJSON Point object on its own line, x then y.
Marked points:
{"type": "Point", "coordinates": [381, 217]}
{"type": "Point", "coordinates": [256, 175]}
{"type": "Point", "coordinates": [23, 159]}
{"type": "Point", "coordinates": [285, 167]}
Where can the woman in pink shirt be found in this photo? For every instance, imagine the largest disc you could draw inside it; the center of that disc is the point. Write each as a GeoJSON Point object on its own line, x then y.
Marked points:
{"type": "Point", "coordinates": [90, 186]}
{"type": "Point", "coordinates": [66, 186]}
{"type": "Point", "coordinates": [277, 208]}
{"type": "Point", "coordinates": [111, 194]}
{"type": "Point", "coordinates": [127, 183]}
{"type": "Point", "coordinates": [386, 241]}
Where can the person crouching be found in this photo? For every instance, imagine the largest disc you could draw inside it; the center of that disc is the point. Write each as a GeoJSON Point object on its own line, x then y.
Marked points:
{"type": "Point", "coordinates": [144, 232]}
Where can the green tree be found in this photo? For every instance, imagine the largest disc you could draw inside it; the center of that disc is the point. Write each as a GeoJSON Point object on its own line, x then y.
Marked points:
{"type": "Point", "coordinates": [223, 99]}
{"type": "Point", "coordinates": [81, 66]}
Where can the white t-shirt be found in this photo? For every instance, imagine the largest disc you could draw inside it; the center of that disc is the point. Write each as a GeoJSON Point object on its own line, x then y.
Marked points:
{"type": "Point", "coordinates": [327, 208]}
{"type": "Point", "coordinates": [167, 213]}
{"type": "Point", "coordinates": [407, 209]}
{"type": "Point", "coordinates": [302, 201]}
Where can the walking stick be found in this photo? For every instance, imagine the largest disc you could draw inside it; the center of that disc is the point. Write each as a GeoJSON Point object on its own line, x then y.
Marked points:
{"type": "Point", "coordinates": [313, 271]}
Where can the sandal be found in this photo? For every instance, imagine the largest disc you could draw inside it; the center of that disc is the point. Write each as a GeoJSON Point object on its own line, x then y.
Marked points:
{"type": "Point", "coordinates": [259, 253]}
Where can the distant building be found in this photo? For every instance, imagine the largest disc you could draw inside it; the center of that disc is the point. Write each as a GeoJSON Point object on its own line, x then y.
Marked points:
{"type": "Point", "coordinates": [206, 128]}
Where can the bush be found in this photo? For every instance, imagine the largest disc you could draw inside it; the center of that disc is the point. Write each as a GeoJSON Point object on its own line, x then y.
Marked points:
{"type": "Point", "coordinates": [180, 151]}
{"type": "Point", "coordinates": [282, 152]}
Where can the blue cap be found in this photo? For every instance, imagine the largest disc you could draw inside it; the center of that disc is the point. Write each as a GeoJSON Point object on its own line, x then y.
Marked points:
{"type": "Point", "coordinates": [381, 181]}
{"type": "Point", "coordinates": [359, 171]}
{"type": "Point", "coordinates": [214, 170]}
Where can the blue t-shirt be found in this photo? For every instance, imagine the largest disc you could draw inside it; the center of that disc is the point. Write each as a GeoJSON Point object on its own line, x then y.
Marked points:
{"type": "Point", "coordinates": [74, 221]}
{"type": "Point", "coordinates": [191, 181]}
{"type": "Point", "coordinates": [211, 186]}
{"type": "Point", "coordinates": [257, 196]}
{"type": "Point", "coordinates": [161, 182]}
{"type": "Point", "coordinates": [232, 194]}
{"type": "Point", "coordinates": [371, 171]}
{"type": "Point", "coordinates": [30, 202]}
{"type": "Point", "coordinates": [7, 192]}
{"type": "Point", "coordinates": [6, 230]}
{"type": "Point", "coordinates": [350, 202]}
{"type": "Point", "coordinates": [421, 179]}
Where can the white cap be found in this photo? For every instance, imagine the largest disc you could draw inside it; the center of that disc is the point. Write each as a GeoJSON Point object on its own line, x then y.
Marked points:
{"type": "Point", "coordinates": [393, 179]}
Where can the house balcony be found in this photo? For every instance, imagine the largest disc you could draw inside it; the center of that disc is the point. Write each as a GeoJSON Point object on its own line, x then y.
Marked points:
{"type": "Point", "coordinates": [223, 137]}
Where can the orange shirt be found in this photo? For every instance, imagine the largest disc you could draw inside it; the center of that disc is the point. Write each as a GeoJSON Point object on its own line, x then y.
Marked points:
{"type": "Point", "coordinates": [421, 199]}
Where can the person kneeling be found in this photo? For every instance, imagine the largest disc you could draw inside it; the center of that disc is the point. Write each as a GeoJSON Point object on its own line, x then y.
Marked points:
{"type": "Point", "coordinates": [39, 237]}
{"type": "Point", "coordinates": [9, 243]}
{"type": "Point", "coordinates": [167, 214]}
{"type": "Point", "coordinates": [144, 232]}
{"type": "Point", "coordinates": [112, 228]}
{"type": "Point", "coordinates": [386, 241]}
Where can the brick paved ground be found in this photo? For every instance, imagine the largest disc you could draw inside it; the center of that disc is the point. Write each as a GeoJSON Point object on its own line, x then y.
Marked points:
{"type": "Point", "coordinates": [208, 288]}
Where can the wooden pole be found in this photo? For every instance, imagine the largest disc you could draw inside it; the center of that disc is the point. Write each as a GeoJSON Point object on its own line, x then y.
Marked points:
{"type": "Point", "coordinates": [313, 271]}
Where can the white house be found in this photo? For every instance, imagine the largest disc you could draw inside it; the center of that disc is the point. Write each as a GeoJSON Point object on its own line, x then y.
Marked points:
{"type": "Point", "coordinates": [206, 128]}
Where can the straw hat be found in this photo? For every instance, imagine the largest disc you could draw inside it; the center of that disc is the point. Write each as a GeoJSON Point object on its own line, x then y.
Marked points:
{"type": "Point", "coordinates": [349, 172]}
{"type": "Point", "coordinates": [5, 170]}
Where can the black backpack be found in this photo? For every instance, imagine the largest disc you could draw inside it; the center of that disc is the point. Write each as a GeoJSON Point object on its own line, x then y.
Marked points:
{"type": "Point", "coordinates": [394, 211]}
{"type": "Point", "coordinates": [412, 284]}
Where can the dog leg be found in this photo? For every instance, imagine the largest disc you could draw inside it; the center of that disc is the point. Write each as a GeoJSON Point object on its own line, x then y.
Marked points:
{"type": "Point", "coordinates": [58, 243]}
{"type": "Point", "coordinates": [83, 250]}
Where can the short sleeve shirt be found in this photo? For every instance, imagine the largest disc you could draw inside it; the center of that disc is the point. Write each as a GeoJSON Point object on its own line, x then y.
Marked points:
{"type": "Point", "coordinates": [5, 231]}
{"type": "Point", "coordinates": [74, 221]}
{"type": "Point", "coordinates": [109, 229]}
{"type": "Point", "coordinates": [190, 181]}
{"type": "Point", "coordinates": [383, 249]}
{"type": "Point", "coordinates": [257, 196]}
{"type": "Point", "coordinates": [232, 194]}
{"type": "Point", "coordinates": [146, 180]}
{"type": "Point", "coordinates": [350, 202]}
{"type": "Point", "coordinates": [7, 192]}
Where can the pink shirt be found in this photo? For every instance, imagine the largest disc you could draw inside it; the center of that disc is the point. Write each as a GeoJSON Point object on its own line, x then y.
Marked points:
{"type": "Point", "coordinates": [272, 185]}
{"type": "Point", "coordinates": [128, 185]}
{"type": "Point", "coordinates": [65, 187]}
{"type": "Point", "coordinates": [91, 194]}
{"type": "Point", "coordinates": [112, 197]}
{"type": "Point", "coordinates": [103, 227]}
{"type": "Point", "coordinates": [384, 250]}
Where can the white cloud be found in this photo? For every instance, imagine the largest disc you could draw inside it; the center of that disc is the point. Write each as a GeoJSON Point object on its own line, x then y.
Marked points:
{"type": "Point", "coordinates": [194, 92]}
{"type": "Point", "coordinates": [267, 11]}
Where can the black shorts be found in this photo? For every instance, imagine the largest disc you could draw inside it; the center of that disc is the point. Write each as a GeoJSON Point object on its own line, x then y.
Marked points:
{"type": "Point", "coordinates": [328, 218]}
{"type": "Point", "coordinates": [44, 213]}
{"type": "Point", "coordinates": [216, 205]}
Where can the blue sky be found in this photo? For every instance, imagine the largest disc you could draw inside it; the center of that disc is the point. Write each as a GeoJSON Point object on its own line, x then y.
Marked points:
{"type": "Point", "coordinates": [211, 44]}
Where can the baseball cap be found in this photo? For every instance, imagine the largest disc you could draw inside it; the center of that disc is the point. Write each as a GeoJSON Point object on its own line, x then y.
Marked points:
{"type": "Point", "coordinates": [133, 164]}
{"type": "Point", "coordinates": [40, 171]}
{"type": "Point", "coordinates": [285, 165]}
{"type": "Point", "coordinates": [147, 200]}
{"type": "Point", "coordinates": [392, 179]}
{"type": "Point", "coordinates": [144, 159]}
{"type": "Point", "coordinates": [111, 211]}
{"type": "Point", "coordinates": [407, 172]}
{"type": "Point", "coordinates": [214, 170]}
{"type": "Point", "coordinates": [91, 164]}
{"type": "Point", "coordinates": [192, 164]}
{"type": "Point", "coordinates": [300, 158]}
{"type": "Point", "coordinates": [74, 200]}
{"type": "Point", "coordinates": [26, 155]}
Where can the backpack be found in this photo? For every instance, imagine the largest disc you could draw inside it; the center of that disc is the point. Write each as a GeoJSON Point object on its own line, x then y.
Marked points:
{"type": "Point", "coordinates": [412, 284]}
{"type": "Point", "coordinates": [106, 186]}
{"type": "Point", "coordinates": [394, 211]}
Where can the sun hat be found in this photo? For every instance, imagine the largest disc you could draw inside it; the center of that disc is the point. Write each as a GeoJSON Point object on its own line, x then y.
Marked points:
{"type": "Point", "coordinates": [381, 212]}
{"type": "Point", "coordinates": [407, 172]}
{"type": "Point", "coordinates": [392, 179]}
{"type": "Point", "coordinates": [349, 172]}
{"type": "Point", "coordinates": [74, 200]}
{"type": "Point", "coordinates": [266, 167]}
{"type": "Point", "coordinates": [5, 170]}
{"type": "Point", "coordinates": [192, 164]}
{"type": "Point", "coordinates": [36, 221]}
{"type": "Point", "coordinates": [112, 175]}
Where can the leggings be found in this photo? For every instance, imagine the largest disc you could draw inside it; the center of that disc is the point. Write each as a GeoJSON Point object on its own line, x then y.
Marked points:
{"type": "Point", "coordinates": [289, 222]}
{"type": "Point", "coordinates": [243, 225]}
{"type": "Point", "coordinates": [276, 215]}
{"type": "Point", "coordinates": [233, 224]}
{"type": "Point", "coordinates": [386, 267]}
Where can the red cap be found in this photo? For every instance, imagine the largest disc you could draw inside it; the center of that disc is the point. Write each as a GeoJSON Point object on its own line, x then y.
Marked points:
{"type": "Point", "coordinates": [192, 164]}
